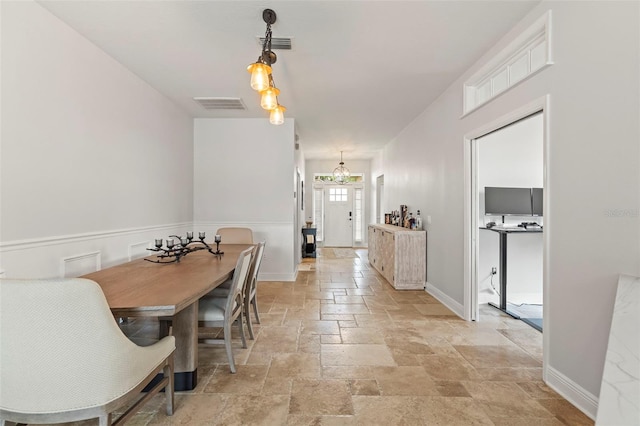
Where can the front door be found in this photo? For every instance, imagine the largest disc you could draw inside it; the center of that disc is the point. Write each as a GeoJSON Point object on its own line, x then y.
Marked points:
{"type": "Point", "coordinates": [338, 216]}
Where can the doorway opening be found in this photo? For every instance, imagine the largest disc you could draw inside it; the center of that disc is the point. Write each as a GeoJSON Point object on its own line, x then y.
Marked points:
{"type": "Point", "coordinates": [483, 283]}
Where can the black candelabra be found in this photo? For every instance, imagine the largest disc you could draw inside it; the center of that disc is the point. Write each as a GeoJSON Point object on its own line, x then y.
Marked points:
{"type": "Point", "coordinates": [175, 251]}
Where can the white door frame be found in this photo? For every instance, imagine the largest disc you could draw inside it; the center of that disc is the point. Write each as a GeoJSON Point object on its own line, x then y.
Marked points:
{"type": "Point", "coordinates": [471, 213]}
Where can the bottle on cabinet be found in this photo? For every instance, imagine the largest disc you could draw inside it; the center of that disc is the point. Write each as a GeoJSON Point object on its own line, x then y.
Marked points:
{"type": "Point", "coordinates": [418, 222]}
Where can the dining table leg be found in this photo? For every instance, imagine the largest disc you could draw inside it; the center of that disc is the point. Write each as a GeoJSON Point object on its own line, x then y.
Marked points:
{"type": "Point", "coordinates": [185, 330]}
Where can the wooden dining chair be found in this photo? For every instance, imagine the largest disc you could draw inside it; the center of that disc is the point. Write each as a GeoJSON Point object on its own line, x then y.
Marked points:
{"type": "Point", "coordinates": [63, 357]}
{"type": "Point", "coordinates": [216, 312]}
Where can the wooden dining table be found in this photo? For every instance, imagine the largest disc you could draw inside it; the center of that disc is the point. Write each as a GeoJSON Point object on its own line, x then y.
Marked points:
{"type": "Point", "coordinates": [145, 289]}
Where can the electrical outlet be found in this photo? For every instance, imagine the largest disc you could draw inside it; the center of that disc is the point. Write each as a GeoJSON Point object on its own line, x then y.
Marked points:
{"type": "Point", "coordinates": [494, 270]}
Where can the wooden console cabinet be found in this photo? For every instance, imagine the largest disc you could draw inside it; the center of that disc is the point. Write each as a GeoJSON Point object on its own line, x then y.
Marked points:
{"type": "Point", "coordinates": [399, 255]}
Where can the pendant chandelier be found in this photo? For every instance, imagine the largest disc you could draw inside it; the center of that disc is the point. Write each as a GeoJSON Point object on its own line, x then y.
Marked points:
{"type": "Point", "coordinates": [262, 77]}
{"type": "Point", "coordinates": [341, 174]}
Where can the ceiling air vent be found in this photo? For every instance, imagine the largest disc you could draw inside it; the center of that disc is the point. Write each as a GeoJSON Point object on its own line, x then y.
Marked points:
{"type": "Point", "coordinates": [282, 43]}
{"type": "Point", "coordinates": [220, 103]}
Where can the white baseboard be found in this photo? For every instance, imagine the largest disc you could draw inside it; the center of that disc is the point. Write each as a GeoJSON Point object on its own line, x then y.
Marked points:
{"type": "Point", "coordinates": [569, 390]}
{"type": "Point", "coordinates": [447, 301]}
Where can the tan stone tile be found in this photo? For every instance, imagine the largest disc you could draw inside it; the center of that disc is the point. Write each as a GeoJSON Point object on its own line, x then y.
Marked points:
{"type": "Point", "coordinates": [344, 309]}
{"type": "Point", "coordinates": [527, 421]}
{"type": "Point", "coordinates": [364, 387]}
{"type": "Point", "coordinates": [276, 339]}
{"type": "Point", "coordinates": [449, 367]}
{"type": "Point", "coordinates": [451, 389]}
{"type": "Point", "coordinates": [259, 358]}
{"type": "Point", "coordinates": [320, 295]}
{"type": "Point", "coordinates": [505, 399]}
{"type": "Point", "coordinates": [496, 356]}
{"type": "Point", "coordinates": [565, 412]}
{"type": "Point", "coordinates": [347, 372]}
{"type": "Point", "coordinates": [330, 339]}
{"type": "Point", "coordinates": [453, 412]}
{"type": "Point", "coordinates": [360, 291]}
{"type": "Point", "coordinates": [320, 327]}
{"type": "Point", "coordinates": [404, 380]}
{"type": "Point", "coordinates": [347, 324]}
{"type": "Point", "coordinates": [538, 390]}
{"type": "Point", "coordinates": [336, 317]}
{"type": "Point", "coordinates": [507, 374]}
{"type": "Point", "coordinates": [322, 397]}
{"type": "Point", "coordinates": [361, 335]}
{"type": "Point", "coordinates": [434, 309]}
{"type": "Point", "coordinates": [387, 410]}
{"type": "Point", "coordinates": [306, 420]}
{"type": "Point", "coordinates": [247, 380]}
{"type": "Point", "coordinates": [344, 299]}
{"type": "Point", "coordinates": [192, 409]}
{"type": "Point", "coordinates": [254, 410]}
{"type": "Point", "coordinates": [334, 285]}
{"type": "Point", "coordinates": [309, 343]}
{"type": "Point", "coordinates": [277, 386]}
{"type": "Point", "coordinates": [359, 354]}
{"type": "Point", "coordinates": [295, 365]}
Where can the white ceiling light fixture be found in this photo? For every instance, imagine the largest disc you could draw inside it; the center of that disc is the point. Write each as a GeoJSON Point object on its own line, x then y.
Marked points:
{"type": "Point", "coordinates": [261, 74]}
{"type": "Point", "coordinates": [341, 174]}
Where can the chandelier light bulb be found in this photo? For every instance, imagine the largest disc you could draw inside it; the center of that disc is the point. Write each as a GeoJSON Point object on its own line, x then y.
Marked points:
{"type": "Point", "coordinates": [269, 98]}
{"type": "Point", "coordinates": [277, 115]}
{"type": "Point", "coordinates": [259, 76]}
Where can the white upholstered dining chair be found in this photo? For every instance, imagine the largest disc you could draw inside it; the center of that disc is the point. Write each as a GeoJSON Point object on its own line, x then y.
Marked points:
{"type": "Point", "coordinates": [63, 357]}
{"type": "Point", "coordinates": [249, 291]}
{"type": "Point", "coordinates": [216, 312]}
{"type": "Point", "coordinates": [236, 235]}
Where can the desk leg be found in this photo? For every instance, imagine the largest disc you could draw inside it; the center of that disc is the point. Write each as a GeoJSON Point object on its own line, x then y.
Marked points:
{"type": "Point", "coordinates": [503, 270]}
{"type": "Point", "coordinates": [185, 330]}
{"type": "Point", "coordinates": [503, 277]}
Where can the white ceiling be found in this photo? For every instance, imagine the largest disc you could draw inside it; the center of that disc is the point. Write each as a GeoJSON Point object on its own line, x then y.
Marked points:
{"type": "Point", "coordinates": [357, 74]}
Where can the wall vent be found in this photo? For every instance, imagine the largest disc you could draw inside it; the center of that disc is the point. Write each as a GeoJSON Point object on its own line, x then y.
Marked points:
{"type": "Point", "coordinates": [281, 43]}
{"type": "Point", "coordinates": [220, 103]}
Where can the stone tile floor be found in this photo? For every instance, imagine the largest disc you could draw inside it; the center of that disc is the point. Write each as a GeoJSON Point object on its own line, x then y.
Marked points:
{"type": "Point", "coordinates": [340, 346]}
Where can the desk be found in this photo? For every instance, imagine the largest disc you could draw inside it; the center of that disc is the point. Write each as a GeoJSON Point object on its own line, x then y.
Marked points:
{"type": "Point", "coordinates": [503, 232]}
{"type": "Point", "coordinates": [144, 289]}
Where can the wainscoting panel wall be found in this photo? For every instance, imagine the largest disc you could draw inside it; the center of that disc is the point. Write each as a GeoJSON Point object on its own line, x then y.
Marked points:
{"type": "Point", "coordinates": [74, 255]}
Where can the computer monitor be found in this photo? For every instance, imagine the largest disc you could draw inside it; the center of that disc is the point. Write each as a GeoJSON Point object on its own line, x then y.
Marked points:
{"type": "Point", "coordinates": [501, 201]}
{"type": "Point", "coordinates": [536, 201]}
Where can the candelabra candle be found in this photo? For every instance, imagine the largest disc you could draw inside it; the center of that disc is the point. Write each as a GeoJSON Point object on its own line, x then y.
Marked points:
{"type": "Point", "coordinates": [218, 238]}
{"type": "Point", "coordinates": [185, 245]}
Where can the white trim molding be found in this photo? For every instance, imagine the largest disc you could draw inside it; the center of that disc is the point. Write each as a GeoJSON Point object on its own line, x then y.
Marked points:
{"type": "Point", "coordinates": [137, 250]}
{"type": "Point", "coordinates": [447, 301]}
{"type": "Point", "coordinates": [526, 55]}
{"type": "Point", "coordinates": [578, 396]}
{"type": "Point", "coordinates": [80, 264]}
{"type": "Point", "coordinates": [6, 246]}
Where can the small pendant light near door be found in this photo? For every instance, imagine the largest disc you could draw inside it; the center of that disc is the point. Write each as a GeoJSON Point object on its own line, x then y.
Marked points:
{"type": "Point", "coordinates": [341, 174]}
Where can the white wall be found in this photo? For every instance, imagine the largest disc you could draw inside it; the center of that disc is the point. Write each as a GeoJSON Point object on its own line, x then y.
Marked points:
{"type": "Point", "coordinates": [244, 175]}
{"type": "Point", "coordinates": [592, 182]}
{"type": "Point", "coordinates": [93, 158]}
{"type": "Point", "coordinates": [511, 157]}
